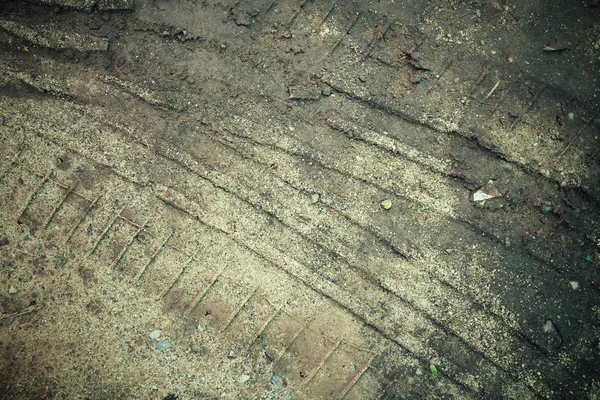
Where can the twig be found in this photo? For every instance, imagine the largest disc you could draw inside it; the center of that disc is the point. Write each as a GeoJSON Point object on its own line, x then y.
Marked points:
{"type": "Point", "coordinates": [493, 89]}
{"type": "Point", "coordinates": [18, 314]}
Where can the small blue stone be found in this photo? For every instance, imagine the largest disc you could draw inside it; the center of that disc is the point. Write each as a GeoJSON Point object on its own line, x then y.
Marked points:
{"type": "Point", "coordinates": [162, 345]}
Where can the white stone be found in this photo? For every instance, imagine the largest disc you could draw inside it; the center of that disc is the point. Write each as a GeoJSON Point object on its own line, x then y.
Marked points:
{"type": "Point", "coordinates": [574, 285]}
{"type": "Point", "coordinates": [155, 334]}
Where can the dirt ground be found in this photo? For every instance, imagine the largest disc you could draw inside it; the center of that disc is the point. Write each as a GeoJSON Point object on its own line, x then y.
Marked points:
{"type": "Point", "coordinates": [299, 199]}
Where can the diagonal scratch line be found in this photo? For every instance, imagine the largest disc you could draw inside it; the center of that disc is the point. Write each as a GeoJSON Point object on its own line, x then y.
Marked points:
{"type": "Point", "coordinates": [354, 379]}
{"type": "Point", "coordinates": [154, 256]}
{"type": "Point", "coordinates": [126, 247]}
{"type": "Point", "coordinates": [34, 194]}
{"type": "Point", "coordinates": [237, 310]}
{"type": "Point", "coordinates": [324, 359]}
{"type": "Point", "coordinates": [59, 205]}
{"type": "Point", "coordinates": [85, 214]}
{"type": "Point", "coordinates": [194, 303]}
{"type": "Point", "coordinates": [104, 233]}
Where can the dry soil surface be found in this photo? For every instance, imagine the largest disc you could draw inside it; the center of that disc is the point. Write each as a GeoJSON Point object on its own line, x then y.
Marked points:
{"type": "Point", "coordinates": [299, 199]}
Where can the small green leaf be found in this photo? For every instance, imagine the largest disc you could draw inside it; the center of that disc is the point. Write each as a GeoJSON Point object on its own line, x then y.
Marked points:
{"type": "Point", "coordinates": [434, 372]}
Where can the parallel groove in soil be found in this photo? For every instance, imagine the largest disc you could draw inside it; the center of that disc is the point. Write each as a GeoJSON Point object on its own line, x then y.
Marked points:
{"type": "Point", "coordinates": [314, 285]}
{"type": "Point", "coordinates": [538, 256]}
{"type": "Point", "coordinates": [405, 257]}
{"type": "Point", "coordinates": [252, 205]}
{"type": "Point", "coordinates": [311, 282]}
{"type": "Point", "coordinates": [262, 210]}
{"type": "Point", "coordinates": [258, 208]}
{"type": "Point", "coordinates": [298, 150]}
{"type": "Point", "coordinates": [110, 224]}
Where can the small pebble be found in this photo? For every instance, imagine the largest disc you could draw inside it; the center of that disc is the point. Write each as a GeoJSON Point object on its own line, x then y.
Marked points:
{"type": "Point", "coordinates": [314, 198]}
{"type": "Point", "coordinates": [155, 334]}
{"type": "Point", "coordinates": [478, 13]}
{"type": "Point", "coordinates": [244, 378]}
{"type": "Point", "coordinates": [574, 285]}
{"type": "Point", "coordinates": [275, 378]}
{"type": "Point", "coordinates": [162, 345]}
{"type": "Point", "coordinates": [552, 335]}
{"type": "Point", "coordinates": [231, 354]}
{"type": "Point", "coordinates": [386, 204]}
{"type": "Point", "coordinates": [13, 289]}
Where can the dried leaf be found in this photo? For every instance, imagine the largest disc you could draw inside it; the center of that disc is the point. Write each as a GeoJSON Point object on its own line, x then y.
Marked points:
{"type": "Point", "coordinates": [556, 48]}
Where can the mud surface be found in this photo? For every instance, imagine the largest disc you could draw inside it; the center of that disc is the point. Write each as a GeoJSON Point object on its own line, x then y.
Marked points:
{"type": "Point", "coordinates": [308, 199]}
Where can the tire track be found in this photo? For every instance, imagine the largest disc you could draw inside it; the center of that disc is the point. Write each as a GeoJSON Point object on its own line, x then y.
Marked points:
{"type": "Point", "coordinates": [346, 251]}
{"type": "Point", "coordinates": [194, 162]}
{"type": "Point", "coordinates": [360, 310]}
{"type": "Point", "coordinates": [268, 254]}
{"type": "Point", "coordinates": [555, 259]}
{"type": "Point", "coordinates": [363, 37]}
{"type": "Point", "coordinates": [106, 238]}
{"type": "Point", "coordinates": [281, 142]}
{"type": "Point", "coordinates": [401, 37]}
{"type": "Point", "coordinates": [534, 246]}
{"type": "Point", "coordinates": [236, 185]}
{"type": "Point", "coordinates": [291, 266]}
